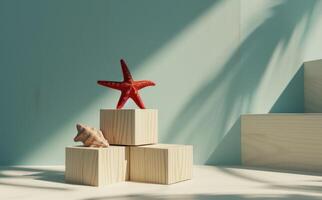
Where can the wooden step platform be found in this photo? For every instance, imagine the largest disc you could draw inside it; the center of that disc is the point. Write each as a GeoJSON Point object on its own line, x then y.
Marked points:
{"type": "Point", "coordinates": [313, 86]}
{"type": "Point", "coordinates": [284, 141]}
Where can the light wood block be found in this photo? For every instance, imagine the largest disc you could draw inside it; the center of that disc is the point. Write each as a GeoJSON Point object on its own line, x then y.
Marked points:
{"type": "Point", "coordinates": [285, 141]}
{"type": "Point", "coordinates": [130, 126]}
{"type": "Point", "coordinates": [96, 166]}
{"type": "Point", "coordinates": [161, 163]}
{"type": "Point", "coordinates": [313, 86]}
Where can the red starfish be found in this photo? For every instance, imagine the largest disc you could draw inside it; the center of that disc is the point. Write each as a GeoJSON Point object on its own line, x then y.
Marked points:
{"type": "Point", "coordinates": [128, 87]}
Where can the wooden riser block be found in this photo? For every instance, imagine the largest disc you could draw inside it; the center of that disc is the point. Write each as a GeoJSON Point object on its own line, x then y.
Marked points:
{"type": "Point", "coordinates": [313, 86]}
{"type": "Point", "coordinates": [130, 126]}
{"type": "Point", "coordinates": [282, 141]}
{"type": "Point", "coordinates": [161, 163]}
{"type": "Point", "coordinates": [96, 166]}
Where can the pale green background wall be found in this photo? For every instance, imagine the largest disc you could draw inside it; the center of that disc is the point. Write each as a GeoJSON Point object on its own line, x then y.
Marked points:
{"type": "Point", "coordinates": [211, 60]}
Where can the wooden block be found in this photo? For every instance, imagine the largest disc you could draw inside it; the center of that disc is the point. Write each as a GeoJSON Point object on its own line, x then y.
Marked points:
{"type": "Point", "coordinates": [313, 86]}
{"type": "Point", "coordinates": [161, 163]}
{"type": "Point", "coordinates": [96, 166]}
{"type": "Point", "coordinates": [282, 141]}
{"type": "Point", "coordinates": [130, 126]}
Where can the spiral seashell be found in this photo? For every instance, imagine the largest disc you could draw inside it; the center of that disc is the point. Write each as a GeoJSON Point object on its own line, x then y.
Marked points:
{"type": "Point", "coordinates": [90, 137]}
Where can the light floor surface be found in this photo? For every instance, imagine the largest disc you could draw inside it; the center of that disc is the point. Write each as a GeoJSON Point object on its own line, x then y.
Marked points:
{"type": "Point", "coordinates": [209, 182]}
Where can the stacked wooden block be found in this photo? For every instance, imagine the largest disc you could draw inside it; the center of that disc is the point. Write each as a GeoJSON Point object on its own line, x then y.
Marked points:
{"type": "Point", "coordinates": [134, 154]}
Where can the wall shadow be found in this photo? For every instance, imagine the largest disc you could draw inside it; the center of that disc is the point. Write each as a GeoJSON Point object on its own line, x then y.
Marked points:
{"type": "Point", "coordinates": [52, 53]}
{"type": "Point", "coordinates": [228, 147]}
{"type": "Point", "coordinates": [213, 111]}
{"type": "Point", "coordinates": [292, 98]}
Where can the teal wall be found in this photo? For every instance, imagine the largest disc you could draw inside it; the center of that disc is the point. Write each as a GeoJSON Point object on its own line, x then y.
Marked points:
{"type": "Point", "coordinates": [212, 60]}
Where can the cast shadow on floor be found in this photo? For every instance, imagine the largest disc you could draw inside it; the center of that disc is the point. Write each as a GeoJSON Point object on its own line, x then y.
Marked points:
{"type": "Point", "coordinates": [54, 176]}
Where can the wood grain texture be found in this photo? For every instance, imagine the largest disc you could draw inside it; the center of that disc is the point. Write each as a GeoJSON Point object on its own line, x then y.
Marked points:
{"type": "Point", "coordinates": [96, 166]}
{"type": "Point", "coordinates": [161, 163]}
{"type": "Point", "coordinates": [129, 126]}
{"type": "Point", "coordinates": [285, 141]}
{"type": "Point", "coordinates": [313, 86]}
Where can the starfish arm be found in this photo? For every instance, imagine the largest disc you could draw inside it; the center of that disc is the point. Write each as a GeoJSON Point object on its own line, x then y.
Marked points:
{"type": "Point", "coordinates": [144, 83]}
{"type": "Point", "coordinates": [123, 98]}
{"type": "Point", "coordinates": [111, 84]}
{"type": "Point", "coordinates": [137, 99]}
{"type": "Point", "coordinates": [126, 72]}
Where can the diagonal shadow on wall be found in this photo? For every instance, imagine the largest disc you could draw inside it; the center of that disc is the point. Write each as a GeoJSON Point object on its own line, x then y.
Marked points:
{"type": "Point", "coordinates": [210, 119]}
{"type": "Point", "coordinates": [52, 53]}
{"type": "Point", "coordinates": [291, 100]}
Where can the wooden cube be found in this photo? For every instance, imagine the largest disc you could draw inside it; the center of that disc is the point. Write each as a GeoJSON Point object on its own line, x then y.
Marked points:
{"type": "Point", "coordinates": [96, 166]}
{"type": "Point", "coordinates": [130, 126]}
{"type": "Point", "coordinates": [161, 163]}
